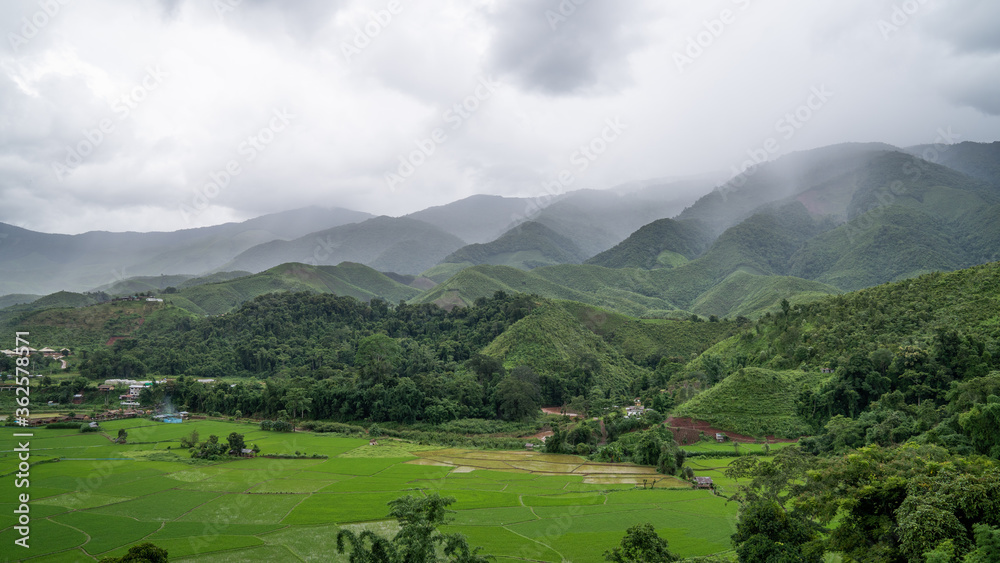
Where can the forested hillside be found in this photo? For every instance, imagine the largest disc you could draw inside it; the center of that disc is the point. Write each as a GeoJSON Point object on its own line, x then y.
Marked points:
{"type": "Point", "coordinates": [526, 246]}
{"type": "Point", "coordinates": [906, 359]}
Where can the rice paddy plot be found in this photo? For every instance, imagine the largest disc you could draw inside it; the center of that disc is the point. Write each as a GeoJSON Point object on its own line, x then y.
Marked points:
{"type": "Point", "coordinates": [482, 499]}
{"type": "Point", "coordinates": [127, 530]}
{"type": "Point", "coordinates": [81, 500]}
{"type": "Point", "coordinates": [504, 542]}
{"type": "Point", "coordinates": [567, 499]}
{"type": "Point", "coordinates": [326, 508]}
{"type": "Point", "coordinates": [349, 466]}
{"type": "Point", "coordinates": [560, 511]}
{"type": "Point", "coordinates": [372, 484]}
{"type": "Point", "coordinates": [163, 506]}
{"type": "Point", "coordinates": [289, 486]}
{"type": "Point", "coordinates": [46, 537]}
{"type": "Point", "coordinates": [493, 516]}
{"type": "Point", "coordinates": [172, 530]}
{"type": "Point", "coordinates": [244, 509]}
{"type": "Point", "coordinates": [313, 543]}
{"type": "Point", "coordinates": [138, 487]}
{"type": "Point", "coordinates": [387, 449]}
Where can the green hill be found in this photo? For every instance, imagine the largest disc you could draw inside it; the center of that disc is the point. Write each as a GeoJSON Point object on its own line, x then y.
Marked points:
{"type": "Point", "coordinates": [355, 280]}
{"type": "Point", "coordinates": [628, 291]}
{"type": "Point", "coordinates": [213, 278]}
{"type": "Point", "coordinates": [60, 299]}
{"type": "Point", "coordinates": [755, 402]}
{"type": "Point", "coordinates": [17, 299]}
{"type": "Point", "coordinates": [554, 344]}
{"type": "Point", "coordinates": [760, 245]}
{"type": "Point", "coordinates": [664, 243]}
{"type": "Point", "coordinates": [938, 219]}
{"type": "Point", "coordinates": [907, 312]}
{"type": "Point", "coordinates": [143, 284]}
{"type": "Point", "coordinates": [526, 246]}
{"type": "Point", "coordinates": [646, 341]}
{"type": "Point", "coordinates": [754, 294]}
{"type": "Point", "coordinates": [82, 324]}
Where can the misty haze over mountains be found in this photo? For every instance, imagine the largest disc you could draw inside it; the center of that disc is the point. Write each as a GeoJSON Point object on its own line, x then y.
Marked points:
{"type": "Point", "coordinates": [842, 217]}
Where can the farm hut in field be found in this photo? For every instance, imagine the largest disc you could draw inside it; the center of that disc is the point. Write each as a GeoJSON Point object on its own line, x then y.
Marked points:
{"type": "Point", "coordinates": [529, 446]}
{"type": "Point", "coordinates": [703, 482]}
{"type": "Point", "coordinates": [720, 437]}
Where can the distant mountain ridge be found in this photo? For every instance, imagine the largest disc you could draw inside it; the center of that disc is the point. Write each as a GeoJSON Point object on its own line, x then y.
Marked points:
{"type": "Point", "coordinates": [526, 246]}
{"type": "Point", "coordinates": [810, 223]}
{"type": "Point", "coordinates": [35, 262]}
{"type": "Point", "coordinates": [393, 244]}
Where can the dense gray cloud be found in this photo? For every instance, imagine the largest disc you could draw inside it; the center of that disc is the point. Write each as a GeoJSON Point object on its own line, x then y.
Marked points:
{"type": "Point", "coordinates": [566, 46]}
{"type": "Point", "coordinates": [170, 114]}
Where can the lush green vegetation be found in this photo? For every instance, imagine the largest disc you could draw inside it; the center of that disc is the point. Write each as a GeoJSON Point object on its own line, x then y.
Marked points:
{"type": "Point", "coordinates": [519, 504]}
{"type": "Point", "coordinates": [756, 402]}
{"type": "Point", "coordinates": [645, 248]}
{"type": "Point", "coordinates": [355, 280]}
{"type": "Point", "coordinates": [526, 246]}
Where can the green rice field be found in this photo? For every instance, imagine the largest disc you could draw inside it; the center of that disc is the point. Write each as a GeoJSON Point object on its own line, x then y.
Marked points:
{"type": "Point", "coordinates": [100, 498]}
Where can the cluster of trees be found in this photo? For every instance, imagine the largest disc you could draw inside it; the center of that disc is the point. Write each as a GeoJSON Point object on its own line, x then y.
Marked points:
{"type": "Point", "coordinates": [908, 503]}
{"type": "Point", "coordinates": [141, 553]}
{"type": "Point", "coordinates": [213, 449]}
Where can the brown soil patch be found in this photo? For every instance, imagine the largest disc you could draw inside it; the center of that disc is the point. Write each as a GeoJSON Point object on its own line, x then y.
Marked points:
{"type": "Point", "coordinates": [688, 431]}
{"type": "Point", "coordinates": [558, 410]}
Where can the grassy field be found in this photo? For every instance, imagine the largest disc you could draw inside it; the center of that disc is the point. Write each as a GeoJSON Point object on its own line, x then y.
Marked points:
{"type": "Point", "coordinates": [101, 498]}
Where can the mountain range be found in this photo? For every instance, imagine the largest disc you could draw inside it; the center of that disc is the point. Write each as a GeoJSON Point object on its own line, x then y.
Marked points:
{"type": "Point", "coordinates": [811, 223]}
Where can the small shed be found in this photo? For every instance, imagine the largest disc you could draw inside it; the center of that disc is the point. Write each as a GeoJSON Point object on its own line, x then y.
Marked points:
{"type": "Point", "coordinates": [247, 452]}
{"type": "Point", "coordinates": [703, 482]}
{"type": "Point", "coordinates": [529, 446]}
{"type": "Point", "coordinates": [78, 399]}
{"type": "Point", "coordinates": [720, 437]}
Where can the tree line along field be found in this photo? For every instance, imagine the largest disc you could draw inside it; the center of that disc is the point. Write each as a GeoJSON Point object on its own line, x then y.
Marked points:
{"type": "Point", "coordinates": [100, 497]}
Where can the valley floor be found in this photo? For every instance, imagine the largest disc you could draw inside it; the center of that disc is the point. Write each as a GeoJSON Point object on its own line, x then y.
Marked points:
{"type": "Point", "coordinates": [101, 497]}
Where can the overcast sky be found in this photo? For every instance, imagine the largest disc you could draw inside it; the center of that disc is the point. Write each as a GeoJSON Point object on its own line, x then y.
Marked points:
{"type": "Point", "coordinates": [169, 114]}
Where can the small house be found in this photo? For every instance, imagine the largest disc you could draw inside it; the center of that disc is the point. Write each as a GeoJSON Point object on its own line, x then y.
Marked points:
{"type": "Point", "coordinates": [720, 437]}
{"type": "Point", "coordinates": [634, 411]}
{"type": "Point", "coordinates": [529, 446]}
{"type": "Point", "coordinates": [247, 452]}
{"type": "Point", "coordinates": [703, 482]}
{"type": "Point", "coordinates": [51, 353]}
{"type": "Point", "coordinates": [78, 399]}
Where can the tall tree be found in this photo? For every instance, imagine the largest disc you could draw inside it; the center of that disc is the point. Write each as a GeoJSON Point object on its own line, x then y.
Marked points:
{"type": "Point", "coordinates": [376, 359]}
{"type": "Point", "coordinates": [417, 539]}
{"type": "Point", "coordinates": [641, 544]}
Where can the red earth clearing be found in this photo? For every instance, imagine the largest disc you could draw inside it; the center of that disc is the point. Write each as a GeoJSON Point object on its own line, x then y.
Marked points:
{"type": "Point", "coordinates": [688, 431]}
